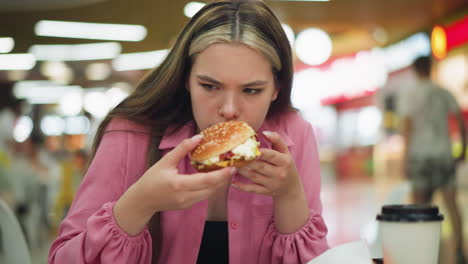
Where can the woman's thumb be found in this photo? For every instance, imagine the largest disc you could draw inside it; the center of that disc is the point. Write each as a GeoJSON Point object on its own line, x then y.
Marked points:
{"type": "Point", "coordinates": [179, 152]}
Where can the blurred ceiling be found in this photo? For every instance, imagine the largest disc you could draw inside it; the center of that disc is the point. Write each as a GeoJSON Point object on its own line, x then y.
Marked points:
{"type": "Point", "coordinates": [353, 24]}
{"type": "Point", "coordinates": [43, 4]}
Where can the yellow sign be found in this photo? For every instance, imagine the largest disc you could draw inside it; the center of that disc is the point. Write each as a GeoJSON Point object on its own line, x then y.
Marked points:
{"type": "Point", "coordinates": [439, 42]}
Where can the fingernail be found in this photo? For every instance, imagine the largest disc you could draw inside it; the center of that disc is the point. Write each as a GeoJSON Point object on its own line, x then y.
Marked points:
{"type": "Point", "coordinates": [234, 185]}
{"type": "Point", "coordinates": [267, 133]}
{"type": "Point", "coordinates": [197, 137]}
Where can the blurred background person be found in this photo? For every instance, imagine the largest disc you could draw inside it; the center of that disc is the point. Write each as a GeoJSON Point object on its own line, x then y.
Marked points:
{"type": "Point", "coordinates": [8, 114]}
{"type": "Point", "coordinates": [428, 160]}
{"type": "Point", "coordinates": [24, 179]}
{"type": "Point", "coordinates": [10, 110]}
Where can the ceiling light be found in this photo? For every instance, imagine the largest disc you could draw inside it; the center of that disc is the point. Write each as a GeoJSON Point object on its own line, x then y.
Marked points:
{"type": "Point", "coordinates": [79, 52]}
{"type": "Point", "coordinates": [57, 71]}
{"type": "Point", "coordinates": [17, 61]}
{"type": "Point", "coordinates": [6, 45]}
{"type": "Point", "coordinates": [71, 103]}
{"type": "Point", "coordinates": [98, 71]}
{"type": "Point", "coordinates": [84, 30]}
{"type": "Point", "coordinates": [303, 0]}
{"type": "Point", "coordinates": [123, 86]}
{"type": "Point", "coordinates": [52, 125]}
{"type": "Point", "coordinates": [115, 96]}
{"type": "Point", "coordinates": [192, 8]}
{"type": "Point", "coordinates": [23, 128]}
{"type": "Point", "coordinates": [77, 125]}
{"type": "Point", "coordinates": [96, 103]}
{"type": "Point", "coordinates": [42, 92]}
{"type": "Point", "coordinates": [139, 60]}
{"type": "Point", "coordinates": [313, 46]}
{"type": "Point", "coordinates": [308, 88]}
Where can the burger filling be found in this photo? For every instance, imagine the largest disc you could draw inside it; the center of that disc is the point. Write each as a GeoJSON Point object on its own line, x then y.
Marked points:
{"type": "Point", "coordinates": [246, 151]}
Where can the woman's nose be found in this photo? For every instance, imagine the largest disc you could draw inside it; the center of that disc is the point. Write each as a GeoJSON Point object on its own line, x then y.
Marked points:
{"type": "Point", "coordinates": [229, 108]}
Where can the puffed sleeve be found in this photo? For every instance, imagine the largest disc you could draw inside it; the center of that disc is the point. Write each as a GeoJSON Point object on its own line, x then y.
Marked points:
{"type": "Point", "coordinates": [310, 240]}
{"type": "Point", "coordinates": [89, 233]}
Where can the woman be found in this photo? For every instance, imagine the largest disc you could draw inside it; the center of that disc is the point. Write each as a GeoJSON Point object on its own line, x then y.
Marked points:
{"type": "Point", "coordinates": [142, 202]}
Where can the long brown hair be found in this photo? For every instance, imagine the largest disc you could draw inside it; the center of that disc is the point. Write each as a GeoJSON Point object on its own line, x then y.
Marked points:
{"type": "Point", "coordinates": [160, 100]}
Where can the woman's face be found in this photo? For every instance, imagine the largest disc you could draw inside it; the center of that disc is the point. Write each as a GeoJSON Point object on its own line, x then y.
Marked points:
{"type": "Point", "coordinates": [231, 82]}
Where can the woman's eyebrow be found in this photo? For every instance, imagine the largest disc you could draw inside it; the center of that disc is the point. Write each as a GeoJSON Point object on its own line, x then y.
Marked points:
{"type": "Point", "coordinates": [249, 84]}
{"type": "Point", "coordinates": [208, 79]}
{"type": "Point", "coordinates": [255, 83]}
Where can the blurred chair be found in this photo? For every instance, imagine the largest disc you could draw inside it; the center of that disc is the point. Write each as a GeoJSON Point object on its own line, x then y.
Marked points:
{"type": "Point", "coordinates": [14, 247]}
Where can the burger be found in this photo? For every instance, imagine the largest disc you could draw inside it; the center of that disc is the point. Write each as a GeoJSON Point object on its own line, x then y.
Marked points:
{"type": "Point", "coordinates": [226, 144]}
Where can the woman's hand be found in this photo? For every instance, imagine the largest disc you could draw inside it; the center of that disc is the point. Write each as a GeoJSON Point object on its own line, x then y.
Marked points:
{"type": "Point", "coordinates": [274, 173]}
{"type": "Point", "coordinates": [171, 190]}
{"type": "Point", "coordinates": [163, 188]}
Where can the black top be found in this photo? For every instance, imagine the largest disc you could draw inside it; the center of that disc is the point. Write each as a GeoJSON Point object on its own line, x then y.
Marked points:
{"type": "Point", "coordinates": [215, 244]}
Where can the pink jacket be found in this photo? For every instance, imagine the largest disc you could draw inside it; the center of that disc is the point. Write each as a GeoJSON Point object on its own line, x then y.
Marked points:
{"type": "Point", "coordinates": [89, 233]}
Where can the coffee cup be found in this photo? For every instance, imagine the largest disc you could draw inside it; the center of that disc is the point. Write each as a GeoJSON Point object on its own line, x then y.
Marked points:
{"type": "Point", "coordinates": [410, 233]}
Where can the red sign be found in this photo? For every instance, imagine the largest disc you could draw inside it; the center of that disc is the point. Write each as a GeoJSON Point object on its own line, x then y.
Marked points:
{"type": "Point", "coordinates": [446, 38]}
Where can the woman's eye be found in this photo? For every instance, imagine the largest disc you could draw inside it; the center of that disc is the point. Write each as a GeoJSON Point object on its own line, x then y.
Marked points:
{"type": "Point", "coordinates": [252, 91]}
{"type": "Point", "coordinates": [208, 87]}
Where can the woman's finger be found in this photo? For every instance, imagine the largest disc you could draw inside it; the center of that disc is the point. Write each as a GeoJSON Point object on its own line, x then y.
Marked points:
{"type": "Point", "coordinates": [265, 168]}
{"type": "Point", "coordinates": [251, 187]}
{"type": "Point", "coordinates": [272, 156]}
{"type": "Point", "coordinates": [254, 176]}
{"type": "Point", "coordinates": [201, 181]}
{"type": "Point", "coordinates": [276, 141]}
{"type": "Point", "coordinates": [178, 153]}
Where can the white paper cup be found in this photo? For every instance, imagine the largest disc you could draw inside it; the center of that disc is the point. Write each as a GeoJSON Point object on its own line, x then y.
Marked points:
{"type": "Point", "coordinates": [410, 234]}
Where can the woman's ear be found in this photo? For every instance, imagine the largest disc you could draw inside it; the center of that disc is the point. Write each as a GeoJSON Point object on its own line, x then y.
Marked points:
{"type": "Point", "coordinates": [276, 91]}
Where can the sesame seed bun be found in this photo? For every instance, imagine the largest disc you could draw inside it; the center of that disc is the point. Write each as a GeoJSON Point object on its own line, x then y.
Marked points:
{"type": "Point", "coordinates": [219, 139]}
